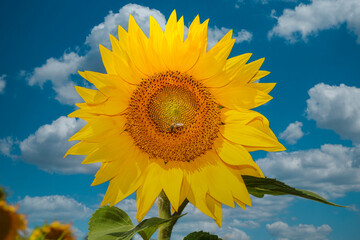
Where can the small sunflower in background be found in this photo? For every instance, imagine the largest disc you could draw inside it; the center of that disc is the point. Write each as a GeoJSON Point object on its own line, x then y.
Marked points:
{"type": "Point", "coordinates": [171, 116]}
{"type": "Point", "coordinates": [53, 231]}
{"type": "Point", "coordinates": [11, 222]}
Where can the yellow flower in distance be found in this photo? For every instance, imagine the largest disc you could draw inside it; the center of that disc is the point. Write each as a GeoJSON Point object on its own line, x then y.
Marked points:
{"type": "Point", "coordinates": [170, 115]}
{"type": "Point", "coordinates": [10, 222]}
{"type": "Point", "coordinates": [53, 231]}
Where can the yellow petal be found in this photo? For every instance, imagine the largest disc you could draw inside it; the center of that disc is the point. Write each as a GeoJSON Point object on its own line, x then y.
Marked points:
{"type": "Point", "coordinates": [216, 208]}
{"type": "Point", "coordinates": [113, 106]}
{"type": "Point", "coordinates": [171, 25]}
{"type": "Point", "coordinates": [111, 149]}
{"type": "Point", "coordinates": [155, 35]}
{"type": "Point", "coordinates": [232, 68]}
{"type": "Point", "coordinates": [83, 114]}
{"type": "Point", "coordinates": [123, 39]}
{"type": "Point", "coordinates": [232, 154]}
{"type": "Point", "coordinates": [82, 148]}
{"type": "Point", "coordinates": [180, 27]}
{"type": "Point", "coordinates": [127, 181]}
{"type": "Point", "coordinates": [110, 85]}
{"type": "Point", "coordinates": [264, 87]}
{"type": "Point", "coordinates": [107, 58]}
{"type": "Point", "coordinates": [171, 181]}
{"type": "Point", "coordinates": [248, 72]}
{"type": "Point", "coordinates": [241, 204]}
{"type": "Point", "coordinates": [252, 119]}
{"type": "Point", "coordinates": [216, 178]}
{"type": "Point", "coordinates": [253, 170]}
{"type": "Point", "coordinates": [117, 164]}
{"type": "Point", "coordinates": [240, 97]}
{"type": "Point", "coordinates": [116, 48]}
{"type": "Point", "coordinates": [149, 190]}
{"type": "Point", "coordinates": [91, 96]}
{"type": "Point", "coordinates": [212, 62]}
{"type": "Point", "coordinates": [259, 74]}
{"type": "Point", "coordinates": [249, 136]}
{"type": "Point", "coordinates": [98, 127]}
{"type": "Point", "coordinates": [237, 63]}
{"type": "Point", "coordinates": [138, 45]}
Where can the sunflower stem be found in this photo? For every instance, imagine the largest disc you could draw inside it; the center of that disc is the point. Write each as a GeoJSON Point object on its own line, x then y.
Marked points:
{"type": "Point", "coordinates": [164, 212]}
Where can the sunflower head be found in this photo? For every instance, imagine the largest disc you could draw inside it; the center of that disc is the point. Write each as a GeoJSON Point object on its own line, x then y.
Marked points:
{"type": "Point", "coordinates": [170, 115]}
{"type": "Point", "coordinates": [53, 231]}
{"type": "Point", "coordinates": [11, 222]}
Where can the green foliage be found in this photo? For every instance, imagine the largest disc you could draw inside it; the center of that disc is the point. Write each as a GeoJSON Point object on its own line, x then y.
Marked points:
{"type": "Point", "coordinates": [258, 187]}
{"type": "Point", "coordinates": [201, 236]}
{"type": "Point", "coordinates": [112, 223]}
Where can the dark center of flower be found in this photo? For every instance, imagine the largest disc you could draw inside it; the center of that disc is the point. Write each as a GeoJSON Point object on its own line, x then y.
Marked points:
{"type": "Point", "coordinates": [173, 117]}
{"type": "Point", "coordinates": [172, 108]}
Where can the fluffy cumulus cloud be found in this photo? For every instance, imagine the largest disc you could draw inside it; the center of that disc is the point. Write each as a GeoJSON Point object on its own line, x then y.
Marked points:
{"type": "Point", "coordinates": [331, 170]}
{"type": "Point", "coordinates": [2, 83]}
{"type": "Point", "coordinates": [235, 221]}
{"type": "Point", "coordinates": [6, 145]}
{"type": "Point", "coordinates": [215, 34]}
{"type": "Point", "coordinates": [282, 231]}
{"type": "Point", "coordinates": [308, 19]}
{"type": "Point", "coordinates": [47, 146]}
{"type": "Point", "coordinates": [336, 108]}
{"type": "Point", "coordinates": [54, 207]}
{"type": "Point", "coordinates": [292, 133]}
{"type": "Point", "coordinates": [60, 71]}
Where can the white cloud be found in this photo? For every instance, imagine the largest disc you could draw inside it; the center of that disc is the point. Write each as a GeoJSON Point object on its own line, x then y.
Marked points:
{"type": "Point", "coordinates": [330, 171]}
{"type": "Point", "coordinates": [282, 231]}
{"type": "Point", "coordinates": [6, 145]}
{"type": "Point", "coordinates": [54, 207]}
{"type": "Point", "coordinates": [47, 146]}
{"type": "Point", "coordinates": [2, 83]}
{"type": "Point", "coordinates": [292, 133]}
{"type": "Point", "coordinates": [245, 224]}
{"type": "Point", "coordinates": [353, 208]}
{"type": "Point", "coordinates": [60, 71]}
{"type": "Point", "coordinates": [236, 234]}
{"type": "Point", "coordinates": [308, 19]}
{"type": "Point", "coordinates": [234, 219]}
{"type": "Point", "coordinates": [215, 34]}
{"type": "Point", "coordinates": [100, 33]}
{"type": "Point", "coordinates": [336, 108]}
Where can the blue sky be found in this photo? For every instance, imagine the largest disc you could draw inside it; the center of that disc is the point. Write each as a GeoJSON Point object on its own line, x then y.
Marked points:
{"type": "Point", "coordinates": [312, 49]}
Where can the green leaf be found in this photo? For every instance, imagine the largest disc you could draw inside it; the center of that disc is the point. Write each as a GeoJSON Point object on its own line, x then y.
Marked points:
{"type": "Point", "coordinates": [112, 223]}
{"type": "Point", "coordinates": [146, 228]}
{"type": "Point", "coordinates": [201, 236]}
{"type": "Point", "coordinates": [106, 221]}
{"type": "Point", "coordinates": [258, 187]}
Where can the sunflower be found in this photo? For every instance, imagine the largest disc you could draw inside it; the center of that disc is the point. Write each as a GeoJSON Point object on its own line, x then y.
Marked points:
{"type": "Point", "coordinates": [53, 231]}
{"type": "Point", "coordinates": [171, 116]}
{"type": "Point", "coordinates": [10, 221]}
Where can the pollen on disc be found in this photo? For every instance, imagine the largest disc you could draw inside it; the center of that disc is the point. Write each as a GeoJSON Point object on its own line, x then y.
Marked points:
{"type": "Point", "coordinates": [173, 117]}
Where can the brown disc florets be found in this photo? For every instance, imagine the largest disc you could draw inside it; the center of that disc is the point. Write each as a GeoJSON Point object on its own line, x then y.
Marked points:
{"type": "Point", "coordinates": [173, 117]}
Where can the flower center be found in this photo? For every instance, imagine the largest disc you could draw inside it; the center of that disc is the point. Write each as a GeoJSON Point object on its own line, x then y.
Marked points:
{"type": "Point", "coordinates": [172, 108]}
{"type": "Point", "coordinates": [173, 117]}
